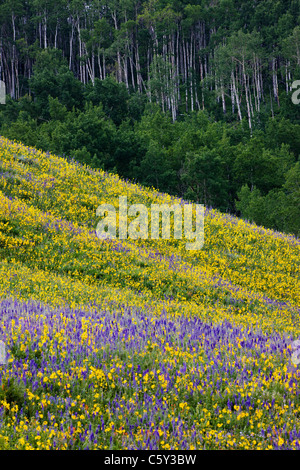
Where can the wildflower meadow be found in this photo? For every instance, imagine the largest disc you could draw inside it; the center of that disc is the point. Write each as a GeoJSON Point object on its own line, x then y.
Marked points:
{"type": "Point", "coordinates": [139, 344]}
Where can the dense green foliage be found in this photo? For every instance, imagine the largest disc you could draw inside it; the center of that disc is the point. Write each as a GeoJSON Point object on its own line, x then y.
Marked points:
{"type": "Point", "coordinates": [193, 98]}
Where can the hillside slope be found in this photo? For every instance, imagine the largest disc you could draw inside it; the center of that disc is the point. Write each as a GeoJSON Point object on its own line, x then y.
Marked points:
{"type": "Point", "coordinates": [48, 221]}
{"type": "Point", "coordinates": [226, 313]}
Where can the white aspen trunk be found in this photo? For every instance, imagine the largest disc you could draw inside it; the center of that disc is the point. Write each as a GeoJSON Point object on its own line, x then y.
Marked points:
{"type": "Point", "coordinates": [232, 97]}
{"type": "Point", "coordinates": [257, 85]}
{"type": "Point", "coordinates": [286, 79]}
{"type": "Point", "coordinates": [247, 96]}
{"type": "Point", "coordinates": [236, 96]}
{"type": "Point", "coordinates": [90, 67]}
{"type": "Point", "coordinates": [161, 99]}
{"type": "Point", "coordinates": [195, 74]}
{"type": "Point", "coordinates": [175, 76]}
{"type": "Point", "coordinates": [185, 77]}
{"type": "Point", "coordinates": [155, 40]}
{"type": "Point", "coordinates": [177, 67]}
{"type": "Point", "coordinates": [104, 66]}
{"type": "Point", "coordinates": [205, 66]}
{"type": "Point", "coordinates": [126, 58]}
{"type": "Point", "coordinates": [275, 81]}
{"type": "Point", "coordinates": [40, 34]}
{"type": "Point", "coordinates": [45, 29]}
{"type": "Point", "coordinates": [272, 111]}
{"type": "Point", "coordinates": [173, 79]}
{"type": "Point", "coordinates": [164, 49]}
{"type": "Point", "coordinates": [166, 75]}
{"type": "Point", "coordinates": [99, 66]}
{"type": "Point", "coordinates": [223, 97]}
{"type": "Point", "coordinates": [250, 96]}
{"type": "Point", "coordinates": [13, 83]}
{"type": "Point", "coordinates": [191, 76]}
{"type": "Point", "coordinates": [181, 61]}
{"type": "Point", "coordinates": [138, 68]}
{"type": "Point", "coordinates": [261, 86]}
{"type": "Point", "coordinates": [289, 76]}
{"type": "Point", "coordinates": [148, 75]}
{"type": "Point", "coordinates": [55, 37]}
{"type": "Point", "coordinates": [255, 96]}
{"type": "Point", "coordinates": [71, 45]}
{"type": "Point", "coordinates": [93, 67]}
{"type": "Point", "coordinates": [119, 71]}
{"type": "Point", "coordinates": [125, 72]}
{"type": "Point", "coordinates": [201, 78]}
{"type": "Point", "coordinates": [130, 55]}
{"type": "Point", "coordinates": [81, 71]}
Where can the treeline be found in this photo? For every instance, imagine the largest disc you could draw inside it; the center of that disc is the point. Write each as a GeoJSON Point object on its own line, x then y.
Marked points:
{"type": "Point", "coordinates": [180, 54]}
{"type": "Point", "coordinates": [193, 98]}
{"type": "Point", "coordinates": [196, 157]}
